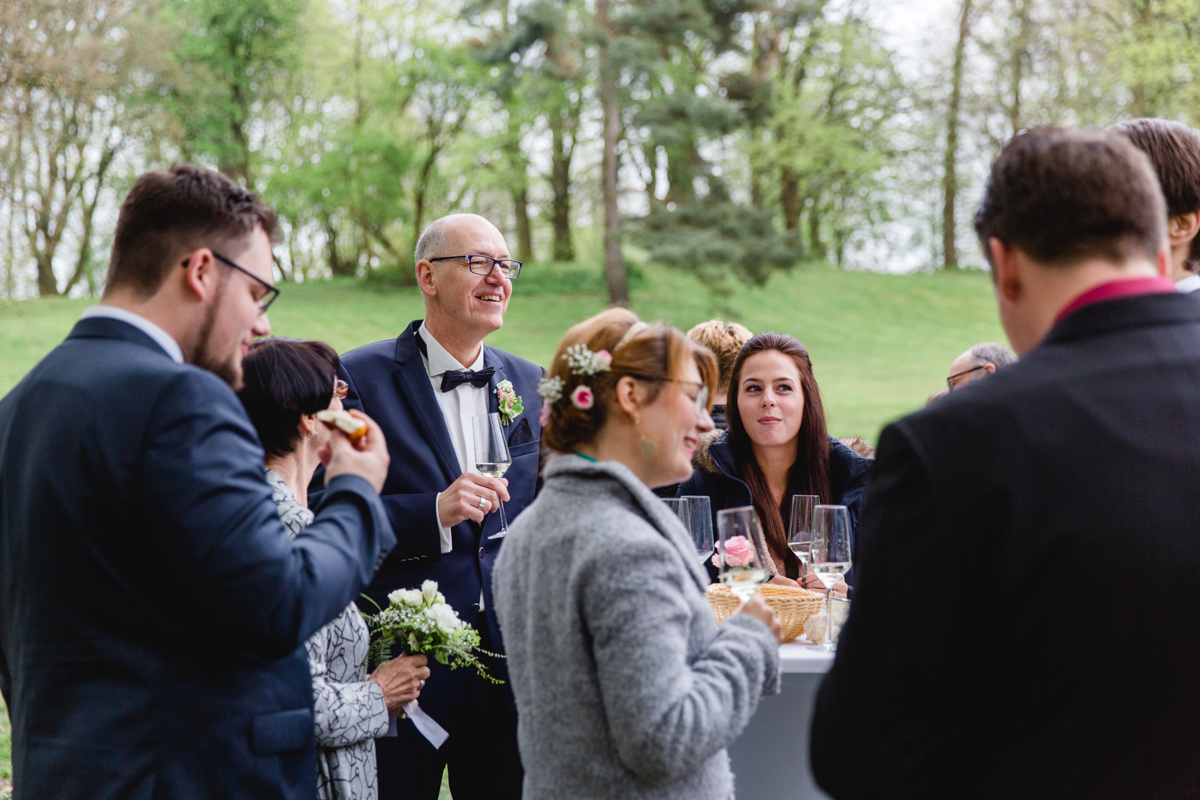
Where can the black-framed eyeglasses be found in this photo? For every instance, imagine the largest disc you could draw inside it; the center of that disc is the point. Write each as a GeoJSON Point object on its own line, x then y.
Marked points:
{"type": "Point", "coordinates": [272, 292]}
{"type": "Point", "coordinates": [950, 380]}
{"type": "Point", "coordinates": [483, 265]}
{"type": "Point", "coordinates": [701, 391]}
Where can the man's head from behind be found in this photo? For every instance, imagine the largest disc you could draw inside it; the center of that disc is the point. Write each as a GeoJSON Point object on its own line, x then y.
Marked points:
{"type": "Point", "coordinates": [1065, 210]}
{"type": "Point", "coordinates": [192, 251]}
{"type": "Point", "coordinates": [1174, 150]}
{"type": "Point", "coordinates": [466, 294]}
{"type": "Point", "coordinates": [978, 362]}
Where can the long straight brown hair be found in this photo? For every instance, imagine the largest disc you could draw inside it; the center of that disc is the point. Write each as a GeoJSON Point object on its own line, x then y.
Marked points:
{"type": "Point", "coordinates": [810, 471]}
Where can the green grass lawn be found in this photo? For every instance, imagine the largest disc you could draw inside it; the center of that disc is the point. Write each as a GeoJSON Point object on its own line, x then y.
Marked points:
{"type": "Point", "coordinates": [880, 343]}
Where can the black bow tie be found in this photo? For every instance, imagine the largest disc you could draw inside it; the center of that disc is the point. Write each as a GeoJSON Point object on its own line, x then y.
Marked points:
{"type": "Point", "coordinates": [452, 378]}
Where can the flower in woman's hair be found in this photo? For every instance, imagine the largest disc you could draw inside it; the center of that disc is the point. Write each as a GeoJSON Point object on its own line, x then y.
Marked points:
{"type": "Point", "coordinates": [583, 361]}
{"type": "Point", "coordinates": [583, 398]}
{"type": "Point", "coordinates": [738, 552]}
{"type": "Point", "coordinates": [551, 389]}
{"type": "Point", "coordinates": [544, 415]}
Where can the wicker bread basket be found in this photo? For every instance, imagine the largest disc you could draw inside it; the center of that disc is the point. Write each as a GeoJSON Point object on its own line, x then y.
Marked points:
{"type": "Point", "coordinates": [792, 606]}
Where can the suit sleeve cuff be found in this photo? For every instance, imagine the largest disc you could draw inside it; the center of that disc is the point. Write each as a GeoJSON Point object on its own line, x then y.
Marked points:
{"type": "Point", "coordinates": [444, 534]}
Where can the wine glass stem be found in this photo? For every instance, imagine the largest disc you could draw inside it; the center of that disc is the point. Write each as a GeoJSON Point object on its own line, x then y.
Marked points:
{"type": "Point", "coordinates": [503, 521]}
{"type": "Point", "coordinates": [828, 617]}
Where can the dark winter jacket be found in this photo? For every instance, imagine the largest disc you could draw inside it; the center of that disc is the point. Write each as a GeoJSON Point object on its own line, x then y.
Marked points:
{"type": "Point", "coordinates": [717, 477]}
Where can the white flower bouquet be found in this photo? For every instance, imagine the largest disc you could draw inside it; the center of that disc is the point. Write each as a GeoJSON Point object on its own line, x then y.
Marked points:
{"type": "Point", "coordinates": [421, 621]}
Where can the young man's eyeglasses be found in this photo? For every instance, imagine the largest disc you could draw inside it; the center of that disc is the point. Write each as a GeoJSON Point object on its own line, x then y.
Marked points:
{"type": "Point", "coordinates": [483, 265]}
{"type": "Point", "coordinates": [269, 297]}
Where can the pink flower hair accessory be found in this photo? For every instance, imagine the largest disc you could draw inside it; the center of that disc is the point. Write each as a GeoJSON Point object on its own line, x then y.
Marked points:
{"type": "Point", "coordinates": [583, 398]}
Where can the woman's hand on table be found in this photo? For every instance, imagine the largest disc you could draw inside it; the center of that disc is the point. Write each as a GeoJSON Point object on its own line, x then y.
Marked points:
{"type": "Point", "coordinates": [782, 580]}
{"type": "Point", "coordinates": [812, 582]}
{"type": "Point", "coordinates": [758, 608]}
{"type": "Point", "coordinates": [401, 679]}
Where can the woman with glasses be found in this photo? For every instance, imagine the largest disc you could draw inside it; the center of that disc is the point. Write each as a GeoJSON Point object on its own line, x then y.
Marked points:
{"type": "Point", "coordinates": [777, 446]}
{"type": "Point", "coordinates": [625, 686]}
{"type": "Point", "coordinates": [287, 381]}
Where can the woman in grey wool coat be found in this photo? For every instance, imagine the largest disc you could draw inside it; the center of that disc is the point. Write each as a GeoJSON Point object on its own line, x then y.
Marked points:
{"type": "Point", "coordinates": [625, 686]}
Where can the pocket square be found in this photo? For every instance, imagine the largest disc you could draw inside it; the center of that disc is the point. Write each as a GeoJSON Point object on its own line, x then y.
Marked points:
{"type": "Point", "coordinates": [521, 434]}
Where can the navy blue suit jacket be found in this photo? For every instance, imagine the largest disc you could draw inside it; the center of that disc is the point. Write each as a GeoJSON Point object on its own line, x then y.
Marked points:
{"type": "Point", "coordinates": [389, 382]}
{"type": "Point", "coordinates": [152, 607]}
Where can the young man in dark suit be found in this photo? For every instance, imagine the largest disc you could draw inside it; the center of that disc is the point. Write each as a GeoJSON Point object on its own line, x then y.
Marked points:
{"type": "Point", "coordinates": [1026, 621]}
{"type": "Point", "coordinates": [154, 609]}
{"type": "Point", "coordinates": [425, 387]}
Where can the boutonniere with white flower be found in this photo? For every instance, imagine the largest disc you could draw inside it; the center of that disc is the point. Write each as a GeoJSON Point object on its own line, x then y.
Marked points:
{"type": "Point", "coordinates": [509, 402]}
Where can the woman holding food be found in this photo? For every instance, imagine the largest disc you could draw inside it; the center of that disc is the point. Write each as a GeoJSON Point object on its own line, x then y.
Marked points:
{"type": "Point", "coordinates": [625, 687]}
{"type": "Point", "coordinates": [288, 383]}
{"type": "Point", "coordinates": [777, 446]}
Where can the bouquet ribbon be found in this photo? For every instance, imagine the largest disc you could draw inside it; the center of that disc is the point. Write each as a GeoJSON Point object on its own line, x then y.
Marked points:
{"type": "Point", "coordinates": [426, 725]}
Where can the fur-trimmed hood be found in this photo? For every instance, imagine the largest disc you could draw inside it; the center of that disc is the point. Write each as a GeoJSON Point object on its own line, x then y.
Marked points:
{"type": "Point", "coordinates": [703, 458]}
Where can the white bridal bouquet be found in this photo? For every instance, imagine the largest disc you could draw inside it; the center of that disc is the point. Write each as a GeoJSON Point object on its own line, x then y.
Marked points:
{"type": "Point", "coordinates": [421, 621]}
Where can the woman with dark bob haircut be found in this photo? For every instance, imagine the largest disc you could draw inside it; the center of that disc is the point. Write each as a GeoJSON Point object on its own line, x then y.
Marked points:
{"type": "Point", "coordinates": [287, 381]}
{"type": "Point", "coordinates": [777, 446]}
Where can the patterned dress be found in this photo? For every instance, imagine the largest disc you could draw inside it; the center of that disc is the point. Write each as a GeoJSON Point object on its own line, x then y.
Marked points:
{"type": "Point", "coordinates": [349, 709]}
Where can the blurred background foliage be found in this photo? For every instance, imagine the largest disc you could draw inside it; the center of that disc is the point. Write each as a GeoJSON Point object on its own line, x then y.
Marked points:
{"type": "Point", "coordinates": [749, 136]}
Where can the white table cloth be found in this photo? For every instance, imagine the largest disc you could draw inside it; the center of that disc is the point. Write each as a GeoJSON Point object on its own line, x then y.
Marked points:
{"type": "Point", "coordinates": [770, 758]}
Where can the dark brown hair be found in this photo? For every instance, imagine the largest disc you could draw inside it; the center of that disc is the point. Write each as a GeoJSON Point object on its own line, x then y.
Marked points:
{"type": "Point", "coordinates": [810, 471]}
{"type": "Point", "coordinates": [1063, 196]}
{"type": "Point", "coordinates": [724, 339]}
{"type": "Point", "coordinates": [656, 352]}
{"type": "Point", "coordinates": [284, 379]}
{"type": "Point", "coordinates": [167, 214]}
{"type": "Point", "coordinates": [1174, 150]}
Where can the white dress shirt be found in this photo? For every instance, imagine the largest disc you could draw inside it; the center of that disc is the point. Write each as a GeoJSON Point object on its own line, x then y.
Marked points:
{"type": "Point", "coordinates": [164, 339]}
{"type": "Point", "coordinates": [459, 406]}
{"type": "Point", "coordinates": [1189, 284]}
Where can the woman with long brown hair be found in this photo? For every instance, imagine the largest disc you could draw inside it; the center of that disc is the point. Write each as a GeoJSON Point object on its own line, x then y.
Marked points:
{"type": "Point", "coordinates": [777, 446]}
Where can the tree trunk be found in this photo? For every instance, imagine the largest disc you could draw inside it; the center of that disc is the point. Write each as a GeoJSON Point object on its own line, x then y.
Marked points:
{"type": "Point", "coordinates": [614, 263]}
{"type": "Point", "coordinates": [89, 212]}
{"type": "Point", "coordinates": [950, 178]}
{"type": "Point", "coordinates": [815, 245]}
{"type": "Point", "coordinates": [560, 182]}
{"type": "Point", "coordinates": [789, 199]}
{"type": "Point", "coordinates": [520, 196]}
{"type": "Point", "coordinates": [339, 267]}
{"type": "Point", "coordinates": [1019, 57]}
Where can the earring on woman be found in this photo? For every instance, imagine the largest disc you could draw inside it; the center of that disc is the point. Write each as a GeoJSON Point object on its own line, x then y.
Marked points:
{"type": "Point", "coordinates": [649, 449]}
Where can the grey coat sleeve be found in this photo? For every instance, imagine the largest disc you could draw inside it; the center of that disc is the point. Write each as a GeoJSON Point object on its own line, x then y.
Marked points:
{"type": "Point", "coordinates": [668, 714]}
{"type": "Point", "coordinates": [346, 713]}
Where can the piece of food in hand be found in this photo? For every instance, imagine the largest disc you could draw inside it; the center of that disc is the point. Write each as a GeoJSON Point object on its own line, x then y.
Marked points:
{"type": "Point", "coordinates": [352, 426]}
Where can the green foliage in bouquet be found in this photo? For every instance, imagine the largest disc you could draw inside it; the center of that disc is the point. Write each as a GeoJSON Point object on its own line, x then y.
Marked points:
{"type": "Point", "coordinates": [421, 621]}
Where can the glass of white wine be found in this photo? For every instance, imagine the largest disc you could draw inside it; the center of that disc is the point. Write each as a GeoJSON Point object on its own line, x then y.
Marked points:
{"type": "Point", "coordinates": [800, 528]}
{"type": "Point", "coordinates": [491, 453]}
{"type": "Point", "coordinates": [700, 513]}
{"type": "Point", "coordinates": [743, 552]}
{"type": "Point", "coordinates": [830, 559]}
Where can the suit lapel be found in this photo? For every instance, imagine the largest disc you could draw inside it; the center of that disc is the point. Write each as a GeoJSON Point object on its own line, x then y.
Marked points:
{"type": "Point", "coordinates": [413, 381]}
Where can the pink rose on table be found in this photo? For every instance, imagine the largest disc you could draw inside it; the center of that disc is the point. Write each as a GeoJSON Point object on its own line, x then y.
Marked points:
{"type": "Point", "coordinates": [738, 552]}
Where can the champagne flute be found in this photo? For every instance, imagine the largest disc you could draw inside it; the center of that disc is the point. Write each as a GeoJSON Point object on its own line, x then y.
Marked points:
{"type": "Point", "coordinates": [743, 552]}
{"type": "Point", "coordinates": [491, 453]}
{"type": "Point", "coordinates": [700, 514]}
{"type": "Point", "coordinates": [830, 556]}
{"type": "Point", "coordinates": [800, 528]}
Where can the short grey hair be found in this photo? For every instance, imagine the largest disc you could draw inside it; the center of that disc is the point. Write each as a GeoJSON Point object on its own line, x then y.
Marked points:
{"type": "Point", "coordinates": [995, 354]}
{"type": "Point", "coordinates": [433, 241]}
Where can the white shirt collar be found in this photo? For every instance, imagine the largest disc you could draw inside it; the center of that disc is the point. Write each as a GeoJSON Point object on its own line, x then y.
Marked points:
{"type": "Point", "coordinates": [164, 339]}
{"type": "Point", "coordinates": [1189, 284]}
{"type": "Point", "coordinates": [438, 359]}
